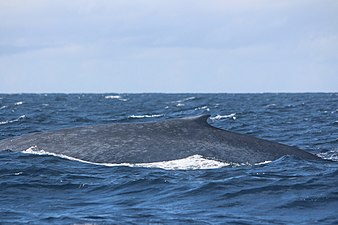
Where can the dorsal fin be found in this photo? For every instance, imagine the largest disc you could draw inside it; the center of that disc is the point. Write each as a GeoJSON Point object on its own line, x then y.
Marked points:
{"type": "Point", "coordinates": [202, 119]}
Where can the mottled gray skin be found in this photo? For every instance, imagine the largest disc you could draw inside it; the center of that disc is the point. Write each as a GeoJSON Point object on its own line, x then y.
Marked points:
{"type": "Point", "coordinates": [154, 142]}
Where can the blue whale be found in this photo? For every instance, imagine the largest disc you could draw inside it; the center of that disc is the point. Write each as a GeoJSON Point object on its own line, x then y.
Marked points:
{"type": "Point", "coordinates": [154, 142]}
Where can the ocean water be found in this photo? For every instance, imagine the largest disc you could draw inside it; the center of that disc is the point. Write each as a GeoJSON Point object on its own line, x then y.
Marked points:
{"type": "Point", "coordinates": [49, 189]}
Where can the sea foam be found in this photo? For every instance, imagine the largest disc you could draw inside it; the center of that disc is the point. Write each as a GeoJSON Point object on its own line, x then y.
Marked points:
{"type": "Point", "coordinates": [219, 117]}
{"type": "Point", "coordinates": [330, 155]}
{"type": "Point", "coordinates": [117, 97]}
{"type": "Point", "coordinates": [145, 116]}
{"type": "Point", "coordinates": [18, 103]}
{"type": "Point", "coordinates": [13, 121]}
{"type": "Point", "coordinates": [193, 162]}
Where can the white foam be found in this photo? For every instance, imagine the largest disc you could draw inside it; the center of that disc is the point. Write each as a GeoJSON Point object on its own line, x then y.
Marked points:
{"type": "Point", "coordinates": [330, 155]}
{"type": "Point", "coordinates": [194, 162]}
{"type": "Point", "coordinates": [180, 103]}
{"type": "Point", "coordinates": [18, 103]}
{"type": "Point", "coordinates": [112, 97]}
{"type": "Point", "coordinates": [190, 163]}
{"type": "Point", "coordinates": [3, 107]}
{"type": "Point", "coordinates": [145, 116]}
{"type": "Point", "coordinates": [189, 98]}
{"type": "Point", "coordinates": [203, 108]}
{"type": "Point", "coordinates": [219, 117]}
{"type": "Point", "coordinates": [270, 105]}
{"type": "Point", "coordinates": [117, 97]}
{"type": "Point", "coordinates": [13, 121]}
{"type": "Point", "coordinates": [263, 163]}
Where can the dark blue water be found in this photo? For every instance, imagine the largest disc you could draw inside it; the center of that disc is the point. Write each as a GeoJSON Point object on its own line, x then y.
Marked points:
{"type": "Point", "coordinates": [44, 189]}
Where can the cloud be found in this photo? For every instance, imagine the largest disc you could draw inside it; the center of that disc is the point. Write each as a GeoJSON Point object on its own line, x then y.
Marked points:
{"type": "Point", "coordinates": [79, 46]}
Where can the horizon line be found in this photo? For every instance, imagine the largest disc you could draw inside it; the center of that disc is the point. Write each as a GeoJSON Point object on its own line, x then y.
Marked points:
{"type": "Point", "coordinates": [263, 92]}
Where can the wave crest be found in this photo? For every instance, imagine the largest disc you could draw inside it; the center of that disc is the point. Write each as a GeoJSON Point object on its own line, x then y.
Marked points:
{"type": "Point", "coordinates": [13, 121]}
{"type": "Point", "coordinates": [145, 116]}
{"type": "Point", "coordinates": [116, 97]}
{"type": "Point", "coordinates": [220, 117]}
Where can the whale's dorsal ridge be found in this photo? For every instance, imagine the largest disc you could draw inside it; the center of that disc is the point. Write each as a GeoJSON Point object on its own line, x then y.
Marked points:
{"type": "Point", "coordinates": [202, 119]}
{"type": "Point", "coordinates": [154, 142]}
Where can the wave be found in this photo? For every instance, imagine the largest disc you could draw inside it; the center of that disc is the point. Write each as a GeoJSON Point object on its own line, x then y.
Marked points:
{"type": "Point", "coordinates": [18, 103]}
{"type": "Point", "coordinates": [15, 104]}
{"type": "Point", "coordinates": [117, 97]}
{"type": "Point", "coordinates": [13, 121]}
{"type": "Point", "coordinates": [187, 99]}
{"type": "Point", "coordinates": [203, 108]}
{"type": "Point", "coordinates": [330, 155]}
{"type": "Point", "coordinates": [180, 103]}
{"type": "Point", "coordinates": [145, 116]}
{"type": "Point", "coordinates": [220, 117]}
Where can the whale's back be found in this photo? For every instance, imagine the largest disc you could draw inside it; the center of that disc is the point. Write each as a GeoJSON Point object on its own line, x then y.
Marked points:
{"type": "Point", "coordinates": [154, 142]}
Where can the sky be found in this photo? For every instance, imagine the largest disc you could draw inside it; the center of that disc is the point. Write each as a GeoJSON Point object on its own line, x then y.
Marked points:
{"type": "Point", "coordinates": [170, 46]}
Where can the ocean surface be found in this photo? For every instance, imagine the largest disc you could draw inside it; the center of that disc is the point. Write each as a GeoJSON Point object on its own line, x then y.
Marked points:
{"type": "Point", "coordinates": [48, 189]}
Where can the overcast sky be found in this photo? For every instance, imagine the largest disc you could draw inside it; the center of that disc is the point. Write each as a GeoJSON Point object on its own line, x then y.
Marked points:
{"type": "Point", "coordinates": [168, 46]}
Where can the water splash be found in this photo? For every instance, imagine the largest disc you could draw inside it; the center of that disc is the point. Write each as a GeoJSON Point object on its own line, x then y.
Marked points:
{"type": "Point", "coordinates": [193, 162]}
{"type": "Point", "coordinates": [329, 155]}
